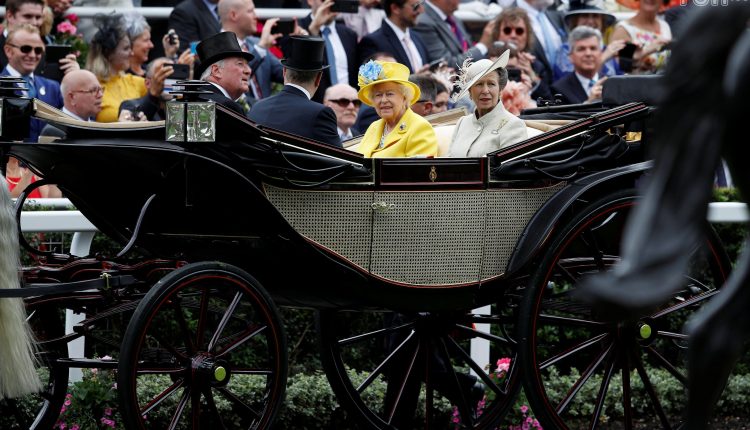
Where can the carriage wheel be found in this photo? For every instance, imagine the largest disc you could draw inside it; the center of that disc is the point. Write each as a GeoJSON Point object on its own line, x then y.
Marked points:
{"type": "Point", "coordinates": [415, 371]}
{"type": "Point", "coordinates": [39, 411]}
{"type": "Point", "coordinates": [586, 372]}
{"type": "Point", "coordinates": [205, 349]}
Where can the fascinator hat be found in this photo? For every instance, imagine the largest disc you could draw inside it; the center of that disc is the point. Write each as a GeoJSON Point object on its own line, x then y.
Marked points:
{"type": "Point", "coordinates": [379, 72]}
{"type": "Point", "coordinates": [471, 72]}
{"type": "Point", "coordinates": [580, 7]}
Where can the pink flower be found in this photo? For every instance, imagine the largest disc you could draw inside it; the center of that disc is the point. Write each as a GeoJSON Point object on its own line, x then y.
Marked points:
{"type": "Point", "coordinates": [524, 409]}
{"type": "Point", "coordinates": [503, 364]}
{"type": "Point", "coordinates": [107, 411]}
{"type": "Point", "coordinates": [75, 427]}
{"type": "Point", "coordinates": [73, 18]}
{"type": "Point", "coordinates": [66, 27]}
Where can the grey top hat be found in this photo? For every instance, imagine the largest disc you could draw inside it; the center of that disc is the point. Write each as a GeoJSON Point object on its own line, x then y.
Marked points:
{"type": "Point", "coordinates": [217, 47]}
{"type": "Point", "coordinates": [307, 53]}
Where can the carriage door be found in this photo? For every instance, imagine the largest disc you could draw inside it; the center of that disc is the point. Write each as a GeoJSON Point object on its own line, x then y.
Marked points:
{"type": "Point", "coordinates": [428, 237]}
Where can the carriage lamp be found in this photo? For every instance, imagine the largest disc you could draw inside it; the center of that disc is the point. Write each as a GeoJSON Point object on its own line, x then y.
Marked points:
{"type": "Point", "coordinates": [15, 111]}
{"type": "Point", "coordinates": [190, 119]}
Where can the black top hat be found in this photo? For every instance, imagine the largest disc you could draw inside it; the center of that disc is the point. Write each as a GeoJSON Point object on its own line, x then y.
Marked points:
{"type": "Point", "coordinates": [579, 7]}
{"type": "Point", "coordinates": [307, 54]}
{"type": "Point", "coordinates": [217, 47]}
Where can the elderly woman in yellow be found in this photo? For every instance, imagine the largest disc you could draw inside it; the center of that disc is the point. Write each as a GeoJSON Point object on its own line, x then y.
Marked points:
{"type": "Point", "coordinates": [109, 58]}
{"type": "Point", "coordinates": [399, 132]}
{"type": "Point", "coordinates": [490, 127]}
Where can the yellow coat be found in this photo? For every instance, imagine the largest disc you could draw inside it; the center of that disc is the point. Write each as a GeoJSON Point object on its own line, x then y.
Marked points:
{"type": "Point", "coordinates": [116, 90]}
{"type": "Point", "coordinates": [413, 136]}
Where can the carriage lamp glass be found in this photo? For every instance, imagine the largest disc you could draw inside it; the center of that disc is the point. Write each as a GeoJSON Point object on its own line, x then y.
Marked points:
{"type": "Point", "coordinates": [191, 121]}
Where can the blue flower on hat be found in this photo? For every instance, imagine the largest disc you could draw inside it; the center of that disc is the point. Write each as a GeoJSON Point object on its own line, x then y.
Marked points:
{"type": "Point", "coordinates": [369, 72]}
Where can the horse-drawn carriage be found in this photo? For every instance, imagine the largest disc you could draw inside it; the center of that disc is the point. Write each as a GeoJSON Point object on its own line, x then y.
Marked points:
{"type": "Point", "coordinates": [409, 263]}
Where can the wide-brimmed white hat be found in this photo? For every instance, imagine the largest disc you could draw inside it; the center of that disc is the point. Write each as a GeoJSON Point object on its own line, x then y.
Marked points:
{"type": "Point", "coordinates": [471, 73]}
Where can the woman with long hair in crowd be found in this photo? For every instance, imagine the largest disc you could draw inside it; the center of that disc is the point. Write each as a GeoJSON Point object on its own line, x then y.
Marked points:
{"type": "Point", "coordinates": [109, 57]}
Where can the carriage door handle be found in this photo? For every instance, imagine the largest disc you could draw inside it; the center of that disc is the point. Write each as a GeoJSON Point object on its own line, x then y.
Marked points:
{"type": "Point", "coordinates": [382, 207]}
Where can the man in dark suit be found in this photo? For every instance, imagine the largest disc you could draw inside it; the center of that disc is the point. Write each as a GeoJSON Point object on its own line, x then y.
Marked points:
{"type": "Point", "coordinates": [194, 20]}
{"type": "Point", "coordinates": [25, 37]}
{"type": "Point", "coordinates": [394, 36]}
{"type": "Point", "coordinates": [292, 110]}
{"type": "Point", "coordinates": [583, 84]}
{"type": "Point", "coordinates": [344, 101]}
{"type": "Point", "coordinates": [238, 16]}
{"type": "Point", "coordinates": [446, 37]}
{"type": "Point", "coordinates": [224, 65]}
{"type": "Point", "coordinates": [549, 30]}
{"type": "Point", "coordinates": [340, 49]}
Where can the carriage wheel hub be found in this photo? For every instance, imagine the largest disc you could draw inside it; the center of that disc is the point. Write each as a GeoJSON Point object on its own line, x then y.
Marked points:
{"type": "Point", "coordinates": [644, 331]}
{"type": "Point", "coordinates": [220, 373]}
{"type": "Point", "coordinates": [209, 371]}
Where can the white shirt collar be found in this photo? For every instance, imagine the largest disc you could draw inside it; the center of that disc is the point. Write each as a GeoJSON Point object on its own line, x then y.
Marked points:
{"type": "Point", "coordinates": [15, 73]}
{"type": "Point", "coordinates": [530, 10]}
{"type": "Point", "coordinates": [585, 81]}
{"type": "Point", "coordinates": [68, 112]}
{"type": "Point", "coordinates": [344, 135]}
{"type": "Point", "coordinates": [399, 33]}
{"type": "Point", "coordinates": [223, 91]}
{"type": "Point", "coordinates": [440, 13]}
{"type": "Point", "coordinates": [307, 93]}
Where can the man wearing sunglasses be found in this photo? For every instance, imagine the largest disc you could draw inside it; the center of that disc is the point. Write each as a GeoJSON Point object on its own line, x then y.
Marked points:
{"type": "Point", "coordinates": [342, 98]}
{"type": "Point", "coordinates": [24, 49]}
{"type": "Point", "coordinates": [395, 37]}
{"type": "Point", "coordinates": [20, 12]}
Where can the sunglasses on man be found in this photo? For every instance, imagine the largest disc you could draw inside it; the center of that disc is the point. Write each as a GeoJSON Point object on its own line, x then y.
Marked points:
{"type": "Point", "coordinates": [345, 102]}
{"type": "Point", "coordinates": [38, 50]}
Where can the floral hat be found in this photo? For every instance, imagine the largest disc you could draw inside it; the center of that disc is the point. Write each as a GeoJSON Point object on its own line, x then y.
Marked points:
{"type": "Point", "coordinates": [471, 72]}
{"type": "Point", "coordinates": [378, 72]}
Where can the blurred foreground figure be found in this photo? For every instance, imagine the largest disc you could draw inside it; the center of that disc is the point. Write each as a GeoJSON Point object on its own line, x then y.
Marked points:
{"type": "Point", "coordinates": [700, 121]}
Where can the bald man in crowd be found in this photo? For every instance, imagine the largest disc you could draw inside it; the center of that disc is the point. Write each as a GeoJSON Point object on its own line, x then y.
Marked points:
{"type": "Point", "coordinates": [342, 98]}
{"type": "Point", "coordinates": [82, 98]}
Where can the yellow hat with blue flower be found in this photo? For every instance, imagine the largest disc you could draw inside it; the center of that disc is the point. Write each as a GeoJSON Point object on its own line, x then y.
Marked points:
{"type": "Point", "coordinates": [378, 72]}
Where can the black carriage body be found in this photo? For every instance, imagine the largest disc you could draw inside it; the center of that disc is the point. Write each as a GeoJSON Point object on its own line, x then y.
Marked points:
{"type": "Point", "coordinates": [321, 226]}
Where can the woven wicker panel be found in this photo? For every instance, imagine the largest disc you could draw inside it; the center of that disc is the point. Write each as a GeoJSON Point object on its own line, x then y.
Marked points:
{"type": "Point", "coordinates": [508, 213]}
{"type": "Point", "coordinates": [340, 221]}
{"type": "Point", "coordinates": [429, 238]}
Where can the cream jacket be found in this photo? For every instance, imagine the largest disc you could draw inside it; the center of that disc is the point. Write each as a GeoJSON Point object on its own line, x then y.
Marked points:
{"type": "Point", "coordinates": [476, 137]}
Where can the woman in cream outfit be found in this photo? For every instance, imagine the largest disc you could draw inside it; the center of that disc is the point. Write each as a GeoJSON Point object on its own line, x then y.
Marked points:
{"type": "Point", "coordinates": [399, 132]}
{"type": "Point", "coordinates": [490, 127]}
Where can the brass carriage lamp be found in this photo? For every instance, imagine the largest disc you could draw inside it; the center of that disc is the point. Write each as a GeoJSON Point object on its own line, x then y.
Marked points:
{"type": "Point", "coordinates": [190, 119]}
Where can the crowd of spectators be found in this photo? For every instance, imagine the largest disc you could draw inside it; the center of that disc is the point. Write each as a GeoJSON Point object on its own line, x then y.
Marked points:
{"type": "Point", "coordinates": [549, 51]}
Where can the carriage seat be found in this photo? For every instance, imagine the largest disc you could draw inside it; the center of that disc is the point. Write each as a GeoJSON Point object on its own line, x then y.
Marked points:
{"type": "Point", "coordinates": [51, 114]}
{"type": "Point", "coordinates": [444, 132]}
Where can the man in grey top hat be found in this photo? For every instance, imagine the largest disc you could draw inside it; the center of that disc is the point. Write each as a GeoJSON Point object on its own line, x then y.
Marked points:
{"type": "Point", "coordinates": [291, 110]}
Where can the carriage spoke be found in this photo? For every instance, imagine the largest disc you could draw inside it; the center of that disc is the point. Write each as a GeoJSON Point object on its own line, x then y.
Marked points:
{"type": "Point", "coordinates": [379, 370]}
{"type": "Point", "coordinates": [224, 320]}
{"type": "Point", "coordinates": [667, 365]}
{"type": "Point", "coordinates": [182, 323]}
{"type": "Point", "coordinates": [246, 335]}
{"type": "Point", "coordinates": [211, 403]}
{"type": "Point", "coordinates": [375, 333]}
{"type": "Point", "coordinates": [195, 408]}
{"type": "Point", "coordinates": [627, 404]}
{"type": "Point", "coordinates": [156, 370]}
{"type": "Point", "coordinates": [180, 409]}
{"type": "Point", "coordinates": [601, 397]}
{"type": "Point", "coordinates": [237, 401]}
{"type": "Point", "coordinates": [587, 374]}
{"type": "Point", "coordinates": [488, 336]}
{"type": "Point", "coordinates": [687, 303]}
{"type": "Point", "coordinates": [406, 378]}
{"type": "Point", "coordinates": [568, 321]}
{"type": "Point", "coordinates": [464, 407]}
{"type": "Point", "coordinates": [168, 346]}
{"type": "Point", "coordinates": [202, 315]}
{"type": "Point", "coordinates": [476, 368]}
{"type": "Point", "coordinates": [168, 392]}
{"type": "Point", "coordinates": [573, 350]}
{"type": "Point", "coordinates": [651, 392]}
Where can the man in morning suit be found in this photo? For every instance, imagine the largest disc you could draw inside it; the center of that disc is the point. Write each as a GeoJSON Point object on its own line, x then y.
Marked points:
{"type": "Point", "coordinates": [224, 65]}
{"type": "Point", "coordinates": [394, 36]}
{"type": "Point", "coordinates": [549, 31]}
{"type": "Point", "coordinates": [195, 20]}
{"type": "Point", "coordinates": [446, 37]}
{"type": "Point", "coordinates": [583, 84]}
{"type": "Point", "coordinates": [291, 110]}
{"type": "Point", "coordinates": [340, 48]}
{"type": "Point", "coordinates": [25, 37]}
{"type": "Point", "coordinates": [238, 16]}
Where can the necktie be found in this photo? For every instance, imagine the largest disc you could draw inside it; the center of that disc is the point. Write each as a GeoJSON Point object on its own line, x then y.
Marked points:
{"type": "Point", "coordinates": [549, 49]}
{"type": "Point", "coordinates": [326, 31]}
{"type": "Point", "coordinates": [254, 85]}
{"type": "Point", "coordinates": [457, 33]}
{"type": "Point", "coordinates": [216, 13]}
{"type": "Point", "coordinates": [410, 53]}
{"type": "Point", "coordinates": [30, 84]}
